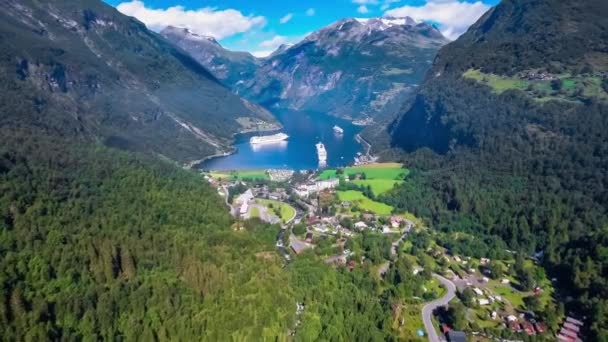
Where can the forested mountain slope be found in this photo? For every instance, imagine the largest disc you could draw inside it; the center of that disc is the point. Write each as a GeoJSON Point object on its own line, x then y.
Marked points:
{"type": "Point", "coordinates": [509, 132]}
{"type": "Point", "coordinates": [83, 69]}
{"type": "Point", "coordinates": [102, 244]}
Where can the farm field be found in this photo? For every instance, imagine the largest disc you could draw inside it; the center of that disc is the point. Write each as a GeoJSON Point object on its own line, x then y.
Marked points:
{"type": "Point", "coordinates": [365, 203]}
{"type": "Point", "coordinates": [379, 186]}
{"type": "Point", "coordinates": [388, 171]}
{"type": "Point", "coordinates": [241, 174]}
{"type": "Point", "coordinates": [286, 211]}
{"type": "Point", "coordinates": [572, 87]}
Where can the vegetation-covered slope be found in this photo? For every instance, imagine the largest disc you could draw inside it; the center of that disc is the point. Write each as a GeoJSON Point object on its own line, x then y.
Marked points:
{"type": "Point", "coordinates": [508, 138]}
{"type": "Point", "coordinates": [82, 68]}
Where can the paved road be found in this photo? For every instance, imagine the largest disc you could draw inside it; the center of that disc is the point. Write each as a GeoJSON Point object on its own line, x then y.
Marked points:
{"type": "Point", "coordinates": [427, 310]}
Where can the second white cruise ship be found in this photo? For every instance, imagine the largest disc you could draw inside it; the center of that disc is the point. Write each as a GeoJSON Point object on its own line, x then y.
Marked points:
{"type": "Point", "coordinates": [268, 139]}
{"type": "Point", "coordinates": [321, 152]}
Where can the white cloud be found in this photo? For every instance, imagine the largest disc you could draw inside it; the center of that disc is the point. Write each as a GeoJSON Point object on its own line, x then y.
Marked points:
{"type": "Point", "coordinates": [286, 18]}
{"type": "Point", "coordinates": [454, 16]}
{"type": "Point", "coordinates": [262, 53]}
{"type": "Point", "coordinates": [310, 12]}
{"type": "Point", "coordinates": [362, 9]}
{"type": "Point", "coordinates": [365, 2]}
{"type": "Point", "coordinates": [274, 43]}
{"type": "Point", "coordinates": [206, 21]}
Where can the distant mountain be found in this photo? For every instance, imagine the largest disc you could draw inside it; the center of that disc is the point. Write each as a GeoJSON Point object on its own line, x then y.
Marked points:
{"type": "Point", "coordinates": [82, 69]}
{"type": "Point", "coordinates": [353, 68]}
{"type": "Point", "coordinates": [509, 137]}
{"type": "Point", "coordinates": [230, 67]}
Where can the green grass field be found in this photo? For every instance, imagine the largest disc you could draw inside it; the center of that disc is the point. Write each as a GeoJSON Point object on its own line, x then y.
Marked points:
{"type": "Point", "coordinates": [240, 174]}
{"type": "Point", "coordinates": [379, 186]}
{"type": "Point", "coordinates": [386, 171]}
{"type": "Point", "coordinates": [365, 203]}
{"type": "Point", "coordinates": [286, 211]}
{"type": "Point", "coordinates": [542, 89]}
{"type": "Point", "coordinates": [498, 83]}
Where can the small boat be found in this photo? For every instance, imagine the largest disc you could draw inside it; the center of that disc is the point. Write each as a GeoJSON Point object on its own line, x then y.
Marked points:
{"type": "Point", "coordinates": [338, 129]}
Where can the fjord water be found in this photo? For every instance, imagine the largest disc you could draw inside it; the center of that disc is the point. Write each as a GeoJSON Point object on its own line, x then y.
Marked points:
{"type": "Point", "coordinates": [305, 129]}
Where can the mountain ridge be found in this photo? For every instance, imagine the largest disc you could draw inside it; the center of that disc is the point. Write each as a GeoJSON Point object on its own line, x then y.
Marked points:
{"type": "Point", "coordinates": [352, 68]}
{"type": "Point", "coordinates": [87, 70]}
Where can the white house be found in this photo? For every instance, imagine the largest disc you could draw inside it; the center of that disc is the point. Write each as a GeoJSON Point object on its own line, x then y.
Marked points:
{"type": "Point", "coordinates": [483, 301]}
{"type": "Point", "coordinates": [478, 291]}
{"type": "Point", "coordinates": [244, 197]}
{"type": "Point", "coordinates": [360, 225]}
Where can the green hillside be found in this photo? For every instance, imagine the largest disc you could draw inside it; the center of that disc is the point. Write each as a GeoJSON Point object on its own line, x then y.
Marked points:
{"type": "Point", "coordinates": [507, 140]}
{"type": "Point", "coordinates": [83, 69]}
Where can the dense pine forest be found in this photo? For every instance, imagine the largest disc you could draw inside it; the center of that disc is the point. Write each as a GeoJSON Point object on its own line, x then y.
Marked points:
{"type": "Point", "coordinates": [507, 139]}
{"type": "Point", "coordinates": [101, 244]}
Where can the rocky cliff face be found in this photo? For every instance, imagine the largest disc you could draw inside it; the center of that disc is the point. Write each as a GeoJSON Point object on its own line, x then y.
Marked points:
{"type": "Point", "coordinates": [230, 67]}
{"type": "Point", "coordinates": [85, 70]}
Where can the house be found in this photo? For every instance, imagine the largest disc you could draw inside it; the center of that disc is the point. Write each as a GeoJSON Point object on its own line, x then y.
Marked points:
{"type": "Point", "coordinates": [309, 237]}
{"type": "Point", "coordinates": [572, 327]}
{"type": "Point", "coordinates": [244, 197]}
{"type": "Point", "coordinates": [336, 259]}
{"type": "Point", "coordinates": [478, 291]}
{"type": "Point", "coordinates": [528, 328]}
{"type": "Point", "coordinates": [360, 225]}
{"type": "Point", "coordinates": [574, 321]}
{"type": "Point", "coordinates": [514, 326]}
{"type": "Point", "coordinates": [485, 279]}
{"type": "Point", "coordinates": [457, 336]}
{"type": "Point", "coordinates": [244, 208]}
{"type": "Point", "coordinates": [540, 328]}
{"type": "Point", "coordinates": [345, 204]}
{"type": "Point", "coordinates": [484, 261]}
{"type": "Point", "coordinates": [511, 318]}
{"type": "Point", "coordinates": [368, 217]}
{"type": "Point", "coordinates": [494, 315]}
{"type": "Point", "coordinates": [274, 196]}
{"type": "Point", "coordinates": [457, 258]}
{"type": "Point", "coordinates": [483, 301]}
{"type": "Point", "coordinates": [505, 281]}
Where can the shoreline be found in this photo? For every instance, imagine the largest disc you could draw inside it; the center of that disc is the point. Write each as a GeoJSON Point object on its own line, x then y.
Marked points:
{"type": "Point", "coordinates": [233, 149]}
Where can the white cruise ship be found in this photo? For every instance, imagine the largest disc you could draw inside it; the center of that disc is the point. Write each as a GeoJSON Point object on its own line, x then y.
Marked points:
{"type": "Point", "coordinates": [268, 139]}
{"type": "Point", "coordinates": [321, 152]}
{"type": "Point", "coordinates": [338, 129]}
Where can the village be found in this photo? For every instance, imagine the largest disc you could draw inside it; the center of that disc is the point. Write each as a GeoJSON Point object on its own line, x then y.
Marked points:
{"type": "Point", "coordinates": [336, 215]}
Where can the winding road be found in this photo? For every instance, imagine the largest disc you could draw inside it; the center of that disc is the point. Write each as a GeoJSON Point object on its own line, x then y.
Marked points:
{"type": "Point", "coordinates": [427, 310]}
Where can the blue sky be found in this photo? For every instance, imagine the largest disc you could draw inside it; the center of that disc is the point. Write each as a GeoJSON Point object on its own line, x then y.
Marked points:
{"type": "Point", "coordinates": [261, 26]}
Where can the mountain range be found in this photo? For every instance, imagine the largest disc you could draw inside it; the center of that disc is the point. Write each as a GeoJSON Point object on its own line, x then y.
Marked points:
{"type": "Point", "coordinates": [354, 68]}
{"type": "Point", "coordinates": [90, 72]}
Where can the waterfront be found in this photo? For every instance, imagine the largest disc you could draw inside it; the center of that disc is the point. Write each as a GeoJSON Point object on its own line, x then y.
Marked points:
{"type": "Point", "coordinates": [305, 129]}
